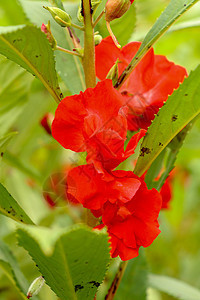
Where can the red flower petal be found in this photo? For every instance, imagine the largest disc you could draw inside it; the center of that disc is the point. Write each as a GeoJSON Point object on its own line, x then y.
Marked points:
{"type": "Point", "coordinates": [148, 86]}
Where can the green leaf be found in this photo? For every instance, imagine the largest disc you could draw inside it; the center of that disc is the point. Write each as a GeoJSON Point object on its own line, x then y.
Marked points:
{"type": "Point", "coordinates": [11, 268]}
{"type": "Point", "coordinates": [14, 87]}
{"type": "Point", "coordinates": [122, 27]}
{"type": "Point", "coordinates": [174, 287]}
{"type": "Point", "coordinates": [174, 10]}
{"type": "Point", "coordinates": [76, 266]}
{"type": "Point", "coordinates": [11, 13]}
{"type": "Point", "coordinates": [69, 67]}
{"type": "Point", "coordinates": [179, 110]}
{"type": "Point", "coordinates": [10, 208]}
{"type": "Point", "coordinates": [4, 141]}
{"type": "Point", "coordinates": [134, 281]}
{"type": "Point", "coordinates": [29, 47]}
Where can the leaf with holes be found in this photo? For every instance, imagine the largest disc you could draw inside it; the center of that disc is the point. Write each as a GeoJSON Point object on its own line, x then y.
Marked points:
{"type": "Point", "coordinates": [28, 47]}
{"type": "Point", "coordinates": [179, 110]}
{"type": "Point", "coordinates": [68, 67]}
{"type": "Point", "coordinates": [10, 208]}
{"type": "Point", "coordinates": [76, 266]}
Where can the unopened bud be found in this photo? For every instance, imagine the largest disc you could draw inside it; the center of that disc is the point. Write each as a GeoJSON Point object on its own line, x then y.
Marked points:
{"type": "Point", "coordinates": [35, 287]}
{"type": "Point", "coordinates": [47, 30]}
{"type": "Point", "coordinates": [60, 16]}
{"type": "Point", "coordinates": [116, 8]}
{"type": "Point", "coordinates": [97, 39]}
{"type": "Point", "coordinates": [113, 73]}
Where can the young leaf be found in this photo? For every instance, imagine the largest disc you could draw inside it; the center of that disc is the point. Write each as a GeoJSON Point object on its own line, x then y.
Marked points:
{"type": "Point", "coordinates": [69, 67]}
{"type": "Point", "coordinates": [174, 287]}
{"type": "Point", "coordinates": [29, 47]}
{"type": "Point", "coordinates": [179, 110]}
{"type": "Point", "coordinates": [134, 281]}
{"type": "Point", "coordinates": [77, 265]}
{"type": "Point", "coordinates": [11, 268]}
{"type": "Point", "coordinates": [174, 10]}
{"type": "Point", "coordinates": [10, 208]}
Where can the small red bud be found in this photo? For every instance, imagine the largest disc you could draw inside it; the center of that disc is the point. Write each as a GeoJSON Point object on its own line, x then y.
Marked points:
{"type": "Point", "coordinates": [47, 31]}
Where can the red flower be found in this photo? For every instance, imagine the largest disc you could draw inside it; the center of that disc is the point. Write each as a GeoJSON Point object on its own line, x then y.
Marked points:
{"type": "Point", "coordinates": [95, 121]}
{"type": "Point", "coordinates": [128, 208]}
{"type": "Point", "coordinates": [148, 86]}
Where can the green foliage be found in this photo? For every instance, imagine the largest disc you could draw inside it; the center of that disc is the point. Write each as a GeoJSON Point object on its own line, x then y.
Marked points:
{"type": "Point", "coordinates": [134, 280]}
{"type": "Point", "coordinates": [11, 268]}
{"type": "Point", "coordinates": [181, 107]}
{"type": "Point", "coordinates": [69, 67]}
{"type": "Point", "coordinates": [4, 141]}
{"type": "Point", "coordinates": [14, 87]}
{"type": "Point", "coordinates": [10, 208]}
{"type": "Point", "coordinates": [174, 287]}
{"type": "Point", "coordinates": [76, 266]}
{"type": "Point", "coordinates": [29, 47]}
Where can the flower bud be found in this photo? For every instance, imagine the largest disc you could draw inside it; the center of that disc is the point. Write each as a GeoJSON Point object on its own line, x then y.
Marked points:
{"type": "Point", "coordinates": [60, 16]}
{"type": "Point", "coordinates": [35, 287]}
{"type": "Point", "coordinates": [113, 73]}
{"type": "Point", "coordinates": [116, 8]}
{"type": "Point", "coordinates": [97, 39]}
{"type": "Point", "coordinates": [47, 31]}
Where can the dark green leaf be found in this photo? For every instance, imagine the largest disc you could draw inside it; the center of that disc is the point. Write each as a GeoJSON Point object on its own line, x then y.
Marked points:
{"type": "Point", "coordinates": [29, 47]}
{"type": "Point", "coordinates": [76, 266]}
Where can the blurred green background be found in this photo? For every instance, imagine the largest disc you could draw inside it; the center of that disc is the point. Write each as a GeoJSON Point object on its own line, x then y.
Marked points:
{"type": "Point", "coordinates": [33, 156]}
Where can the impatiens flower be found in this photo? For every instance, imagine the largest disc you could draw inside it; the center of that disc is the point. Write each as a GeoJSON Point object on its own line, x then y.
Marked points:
{"type": "Point", "coordinates": [95, 121]}
{"type": "Point", "coordinates": [128, 209]}
{"type": "Point", "coordinates": [148, 86]}
{"type": "Point", "coordinates": [46, 122]}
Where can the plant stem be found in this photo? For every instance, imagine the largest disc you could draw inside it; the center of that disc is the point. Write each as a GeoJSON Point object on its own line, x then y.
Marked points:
{"type": "Point", "coordinates": [99, 18]}
{"type": "Point", "coordinates": [116, 282]}
{"type": "Point", "coordinates": [89, 54]}
{"type": "Point", "coordinates": [68, 51]}
{"type": "Point", "coordinates": [112, 35]}
{"type": "Point", "coordinates": [77, 26]}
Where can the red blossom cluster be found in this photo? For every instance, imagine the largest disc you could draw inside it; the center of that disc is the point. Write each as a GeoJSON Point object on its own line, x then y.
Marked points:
{"type": "Point", "coordinates": [96, 121]}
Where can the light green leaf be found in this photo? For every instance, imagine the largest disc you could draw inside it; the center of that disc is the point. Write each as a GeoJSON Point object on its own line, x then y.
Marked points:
{"type": "Point", "coordinates": [134, 280]}
{"type": "Point", "coordinates": [179, 110]}
{"type": "Point", "coordinates": [29, 47]}
{"type": "Point", "coordinates": [174, 287]}
{"type": "Point", "coordinates": [10, 208]}
{"type": "Point", "coordinates": [14, 87]}
{"type": "Point", "coordinates": [174, 10]}
{"type": "Point", "coordinates": [69, 67]}
{"type": "Point", "coordinates": [77, 265]}
{"type": "Point", "coordinates": [11, 268]}
{"type": "Point", "coordinates": [185, 25]}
